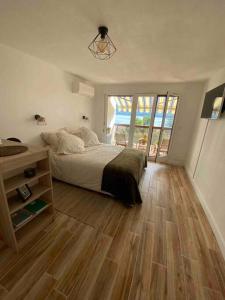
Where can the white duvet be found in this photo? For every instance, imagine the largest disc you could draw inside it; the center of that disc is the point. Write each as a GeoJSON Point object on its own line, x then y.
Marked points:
{"type": "Point", "coordinates": [84, 169]}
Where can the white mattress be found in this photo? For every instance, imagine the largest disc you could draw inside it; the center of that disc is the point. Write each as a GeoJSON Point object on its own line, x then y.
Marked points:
{"type": "Point", "coordinates": [84, 169]}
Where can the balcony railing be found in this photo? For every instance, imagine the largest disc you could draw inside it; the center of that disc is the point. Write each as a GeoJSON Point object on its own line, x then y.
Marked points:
{"type": "Point", "coordinates": [119, 135]}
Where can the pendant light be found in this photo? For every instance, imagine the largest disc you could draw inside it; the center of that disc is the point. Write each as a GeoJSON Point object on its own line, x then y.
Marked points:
{"type": "Point", "coordinates": [102, 46]}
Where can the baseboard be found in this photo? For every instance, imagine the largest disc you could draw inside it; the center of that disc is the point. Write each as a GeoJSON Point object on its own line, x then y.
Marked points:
{"type": "Point", "coordinates": [176, 162]}
{"type": "Point", "coordinates": [215, 228]}
{"type": "Point", "coordinates": [173, 162]}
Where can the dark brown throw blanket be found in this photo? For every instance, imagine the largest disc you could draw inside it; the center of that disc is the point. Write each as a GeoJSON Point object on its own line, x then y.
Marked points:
{"type": "Point", "coordinates": [122, 175]}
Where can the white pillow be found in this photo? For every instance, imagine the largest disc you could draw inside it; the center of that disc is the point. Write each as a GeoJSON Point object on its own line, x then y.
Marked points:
{"type": "Point", "coordinates": [75, 131]}
{"type": "Point", "coordinates": [69, 143]}
{"type": "Point", "coordinates": [89, 137]}
{"type": "Point", "coordinates": [51, 139]}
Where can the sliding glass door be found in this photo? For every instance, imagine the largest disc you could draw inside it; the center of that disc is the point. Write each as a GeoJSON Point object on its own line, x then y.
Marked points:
{"type": "Point", "coordinates": [143, 122]}
{"type": "Point", "coordinates": [157, 127]}
{"type": "Point", "coordinates": [144, 116]}
{"type": "Point", "coordinates": [167, 126]}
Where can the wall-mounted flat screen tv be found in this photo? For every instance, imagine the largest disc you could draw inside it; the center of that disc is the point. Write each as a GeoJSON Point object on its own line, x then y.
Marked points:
{"type": "Point", "coordinates": [214, 104]}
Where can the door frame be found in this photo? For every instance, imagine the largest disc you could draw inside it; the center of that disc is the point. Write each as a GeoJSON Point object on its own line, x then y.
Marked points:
{"type": "Point", "coordinates": [150, 128]}
{"type": "Point", "coordinates": [165, 158]}
{"type": "Point", "coordinates": [133, 117]}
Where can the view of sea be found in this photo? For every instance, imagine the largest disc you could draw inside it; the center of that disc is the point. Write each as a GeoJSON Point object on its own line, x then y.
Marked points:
{"type": "Point", "coordinates": [125, 119]}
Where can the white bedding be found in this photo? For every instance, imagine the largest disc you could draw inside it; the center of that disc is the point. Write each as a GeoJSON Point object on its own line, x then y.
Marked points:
{"type": "Point", "coordinates": [84, 169]}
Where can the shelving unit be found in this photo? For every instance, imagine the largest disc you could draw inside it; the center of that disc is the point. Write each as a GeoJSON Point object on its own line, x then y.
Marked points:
{"type": "Point", "coordinates": [37, 191]}
{"type": "Point", "coordinates": [17, 181]}
{"type": "Point", "coordinates": [34, 216]}
{"type": "Point", "coordinates": [11, 178]}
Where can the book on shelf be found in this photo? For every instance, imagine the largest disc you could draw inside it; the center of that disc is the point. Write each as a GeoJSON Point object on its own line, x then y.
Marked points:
{"type": "Point", "coordinates": [20, 217]}
{"type": "Point", "coordinates": [36, 206]}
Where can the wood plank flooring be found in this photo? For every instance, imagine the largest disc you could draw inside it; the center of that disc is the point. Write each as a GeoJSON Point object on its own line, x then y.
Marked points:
{"type": "Point", "coordinates": [99, 250]}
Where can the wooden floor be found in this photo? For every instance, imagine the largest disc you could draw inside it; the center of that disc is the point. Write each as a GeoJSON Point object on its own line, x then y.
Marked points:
{"type": "Point", "coordinates": [98, 249]}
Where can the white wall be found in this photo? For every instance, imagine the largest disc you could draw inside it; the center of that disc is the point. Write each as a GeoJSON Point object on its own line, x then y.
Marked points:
{"type": "Point", "coordinates": [209, 179]}
{"type": "Point", "coordinates": [190, 97]}
{"type": "Point", "coordinates": [30, 86]}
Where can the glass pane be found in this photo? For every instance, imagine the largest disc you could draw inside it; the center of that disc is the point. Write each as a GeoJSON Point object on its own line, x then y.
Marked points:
{"type": "Point", "coordinates": [161, 100]}
{"type": "Point", "coordinates": [144, 110]}
{"type": "Point", "coordinates": [118, 119]}
{"type": "Point", "coordinates": [142, 122]}
{"type": "Point", "coordinates": [164, 144]}
{"type": "Point", "coordinates": [154, 142]}
{"type": "Point", "coordinates": [170, 111]}
{"type": "Point", "coordinates": [140, 138]}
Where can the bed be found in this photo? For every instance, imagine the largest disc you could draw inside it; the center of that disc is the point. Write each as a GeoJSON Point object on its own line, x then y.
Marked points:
{"type": "Point", "coordinates": [103, 168]}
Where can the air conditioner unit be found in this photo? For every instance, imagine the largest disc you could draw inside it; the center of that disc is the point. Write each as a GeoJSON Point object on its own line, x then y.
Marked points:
{"type": "Point", "coordinates": [84, 89]}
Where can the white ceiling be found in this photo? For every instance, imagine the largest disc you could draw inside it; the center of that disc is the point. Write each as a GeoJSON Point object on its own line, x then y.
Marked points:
{"type": "Point", "coordinates": [157, 40]}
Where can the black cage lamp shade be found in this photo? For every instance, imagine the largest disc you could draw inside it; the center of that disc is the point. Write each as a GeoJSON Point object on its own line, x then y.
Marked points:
{"type": "Point", "coordinates": [102, 46]}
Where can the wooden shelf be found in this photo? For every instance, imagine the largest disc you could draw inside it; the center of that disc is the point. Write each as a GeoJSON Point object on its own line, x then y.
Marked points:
{"type": "Point", "coordinates": [15, 203]}
{"type": "Point", "coordinates": [27, 233]}
{"type": "Point", "coordinates": [17, 181]}
{"type": "Point", "coordinates": [10, 202]}
{"type": "Point", "coordinates": [33, 217]}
